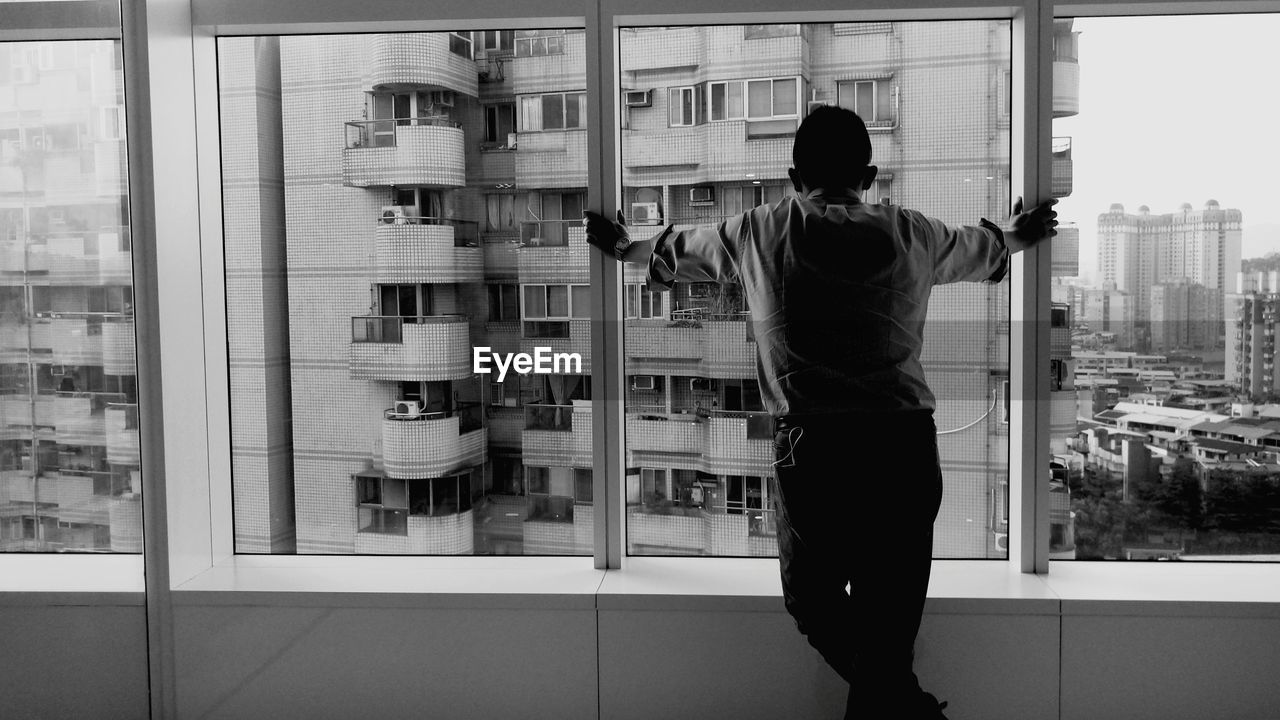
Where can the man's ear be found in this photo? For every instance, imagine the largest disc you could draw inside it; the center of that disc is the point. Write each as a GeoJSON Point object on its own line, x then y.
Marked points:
{"type": "Point", "coordinates": [869, 176]}
{"type": "Point", "coordinates": [795, 180]}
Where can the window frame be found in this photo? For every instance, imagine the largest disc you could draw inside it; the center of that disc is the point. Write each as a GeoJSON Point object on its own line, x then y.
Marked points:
{"type": "Point", "coordinates": [167, 198]}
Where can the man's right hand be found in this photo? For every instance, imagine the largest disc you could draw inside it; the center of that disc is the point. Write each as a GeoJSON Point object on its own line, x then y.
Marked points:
{"type": "Point", "coordinates": [611, 237]}
{"type": "Point", "coordinates": [1028, 228]}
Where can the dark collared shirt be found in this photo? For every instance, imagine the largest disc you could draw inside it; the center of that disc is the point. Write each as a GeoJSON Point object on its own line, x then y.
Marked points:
{"type": "Point", "coordinates": [838, 291]}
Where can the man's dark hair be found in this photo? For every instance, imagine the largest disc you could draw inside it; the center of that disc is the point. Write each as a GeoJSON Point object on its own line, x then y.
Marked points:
{"type": "Point", "coordinates": [832, 148]}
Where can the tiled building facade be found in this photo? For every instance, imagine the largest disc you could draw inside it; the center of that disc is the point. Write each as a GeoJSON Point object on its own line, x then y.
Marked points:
{"type": "Point", "coordinates": [404, 199]}
{"type": "Point", "coordinates": [69, 456]}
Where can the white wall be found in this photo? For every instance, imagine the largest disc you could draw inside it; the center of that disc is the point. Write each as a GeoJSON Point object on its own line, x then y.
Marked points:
{"type": "Point", "coordinates": [363, 655]}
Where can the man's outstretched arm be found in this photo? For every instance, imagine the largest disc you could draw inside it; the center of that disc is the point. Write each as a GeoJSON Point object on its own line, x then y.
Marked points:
{"type": "Point", "coordinates": [702, 254]}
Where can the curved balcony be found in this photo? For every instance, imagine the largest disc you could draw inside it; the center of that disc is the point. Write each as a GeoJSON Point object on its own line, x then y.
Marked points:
{"type": "Point", "coordinates": [1062, 174]}
{"type": "Point", "coordinates": [78, 419]}
{"type": "Point", "coordinates": [72, 258]}
{"type": "Point", "coordinates": [692, 343]}
{"type": "Point", "coordinates": [434, 347]}
{"type": "Point", "coordinates": [406, 151]}
{"type": "Point", "coordinates": [115, 257]}
{"type": "Point", "coordinates": [422, 59]}
{"type": "Point", "coordinates": [553, 251]}
{"type": "Point", "coordinates": [118, 356]}
{"type": "Point", "coordinates": [551, 159]}
{"type": "Point", "coordinates": [1066, 87]}
{"type": "Point", "coordinates": [553, 335]}
{"type": "Point", "coordinates": [739, 443]}
{"type": "Point", "coordinates": [428, 250]}
{"type": "Point", "coordinates": [76, 340]}
{"type": "Point", "coordinates": [122, 434]}
{"type": "Point", "coordinates": [125, 513]}
{"type": "Point", "coordinates": [660, 432]}
{"type": "Point", "coordinates": [439, 535]}
{"type": "Point", "coordinates": [17, 257]}
{"type": "Point", "coordinates": [432, 445]}
{"type": "Point", "coordinates": [557, 435]}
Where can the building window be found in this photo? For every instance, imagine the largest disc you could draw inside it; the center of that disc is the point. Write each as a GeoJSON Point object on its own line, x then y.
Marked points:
{"type": "Point", "coordinates": [499, 215]}
{"type": "Point", "coordinates": [553, 111]}
{"type": "Point", "coordinates": [504, 302]}
{"type": "Point", "coordinates": [871, 99]}
{"type": "Point", "coordinates": [496, 41]}
{"type": "Point", "coordinates": [531, 43]}
{"type": "Point", "coordinates": [643, 303]}
{"type": "Point", "coordinates": [460, 44]}
{"type": "Point", "coordinates": [499, 123]}
{"type": "Point", "coordinates": [727, 100]}
{"type": "Point", "coordinates": [684, 106]}
{"type": "Point", "coordinates": [770, 99]}
{"type": "Point", "coordinates": [547, 309]}
{"type": "Point", "coordinates": [756, 32]}
{"type": "Point", "coordinates": [382, 505]}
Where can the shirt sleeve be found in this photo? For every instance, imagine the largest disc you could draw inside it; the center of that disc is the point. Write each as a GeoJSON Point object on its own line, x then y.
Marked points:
{"type": "Point", "coordinates": [968, 253]}
{"type": "Point", "coordinates": [702, 254]}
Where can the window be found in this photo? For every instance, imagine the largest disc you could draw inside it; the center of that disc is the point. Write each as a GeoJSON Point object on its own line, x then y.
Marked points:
{"type": "Point", "coordinates": [531, 43]}
{"type": "Point", "coordinates": [871, 99]}
{"type": "Point", "coordinates": [711, 411]}
{"type": "Point", "coordinates": [727, 100]}
{"type": "Point", "coordinates": [643, 303]}
{"type": "Point", "coordinates": [772, 98]}
{"type": "Point", "coordinates": [460, 44]}
{"type": "Point", "coordinates": [499, 122]}
{"type": "Point", "coordinates": [553, 111]}
{"type": "Point", "coordinates": [424, 252]}
{"type": "Point", "coordinates": [504, 303]}
{"type": "Point", "coordinates": [68, 390]}
{"type": "Point", "coordinates": [548, 308]}
{"type": "Point", "coordinates": [684, 105]}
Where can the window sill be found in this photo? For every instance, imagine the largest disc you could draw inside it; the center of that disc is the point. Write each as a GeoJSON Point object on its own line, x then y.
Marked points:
{"type": "Point", "coordinates": [71, 579]}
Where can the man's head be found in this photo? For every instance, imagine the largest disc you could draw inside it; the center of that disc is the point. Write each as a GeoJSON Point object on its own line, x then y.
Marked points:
{"type": "Point", "coordinates": [832, 151]}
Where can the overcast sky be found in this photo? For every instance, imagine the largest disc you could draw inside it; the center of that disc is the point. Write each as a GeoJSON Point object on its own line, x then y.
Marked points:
{"type": "Point", "coordinates": [1174, 110]}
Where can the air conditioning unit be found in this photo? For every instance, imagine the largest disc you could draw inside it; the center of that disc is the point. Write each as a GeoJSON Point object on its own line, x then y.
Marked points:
{"type": "Point", "coordinates": [703, 194]}
{"type": "Point", "coordinates": [642, 382]}
{"type": "Point", "coordinates": [396, 214]}
{"type": "Point", "coordinates": [645, 214]}
{"type": "Point", "coordinates": [701, 384]}
{"type": "Point", "coordinates": [813, 105]}
{"type": "Point", "coordinates": [444, 98]}
{"type": "Point", "coordinates": [1002, 540]}
{"type": "Point", "coordinates": [407, 408]}
{"type": "Point", "coordinates": [57, 370]}
{"type": "Point", "coordinates": [511, 140]}
{"type": "Point", "coordinates": [637, 98]}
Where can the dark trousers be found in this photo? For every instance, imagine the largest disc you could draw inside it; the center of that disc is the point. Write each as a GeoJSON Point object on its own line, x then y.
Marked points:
{"type": "Point", "coordinates": [857, 497]}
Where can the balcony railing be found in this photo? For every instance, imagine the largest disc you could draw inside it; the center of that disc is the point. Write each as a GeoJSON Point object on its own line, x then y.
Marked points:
{"type": "Point", "coordinates": [759, 424]}
{"type": "Point", "coordinates": [390, 328]}
{"type": "Point", "coordinates": [469, 416]}
{"type": "Point", "coordinates": [558, 418]}
{"type": "Point", "coordinates": [466, 233]}
{"type": "Point", "coordinates": [382, 133]}
{"type": "Point", "coordinates": [546, 233]}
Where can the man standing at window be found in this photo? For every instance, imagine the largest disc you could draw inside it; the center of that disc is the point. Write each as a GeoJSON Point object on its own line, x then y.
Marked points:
{"type": "Point", "coordinates": [838, 291]}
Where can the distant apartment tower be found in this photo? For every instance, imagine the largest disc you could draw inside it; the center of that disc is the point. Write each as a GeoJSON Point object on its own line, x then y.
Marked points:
{"type": "Point", "coordinates": [1137, 252]}
{"type": "Point", "coordinates": [1252, 324]}
{"type": "Point", "coordinates": [69, 456]}
{"type": "Point", "coordinates": [1184, 316]}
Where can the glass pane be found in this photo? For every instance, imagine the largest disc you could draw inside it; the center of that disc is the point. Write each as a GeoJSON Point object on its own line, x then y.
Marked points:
{"type": "Point", "coordinates": [69, 457]}
{"type": "Point", "coordinates": [466, 221]}
{"type": "Point", "coordinates": [558, 301]}
{"type": "Point", "coordinates": [696, 415]}
{"type": "Point", "coordinates": [1164, 430]}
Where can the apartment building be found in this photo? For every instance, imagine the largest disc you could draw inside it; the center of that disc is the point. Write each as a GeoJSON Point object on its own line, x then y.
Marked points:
{"type": "Point", "coordinates": [395, 201]}
{"type": "Point", "coordinates": [1195, 248]}
{"type": "Point", "coordinates": [69, 462]}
